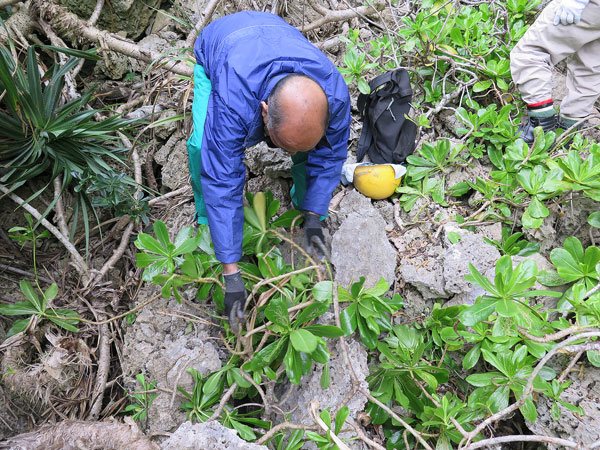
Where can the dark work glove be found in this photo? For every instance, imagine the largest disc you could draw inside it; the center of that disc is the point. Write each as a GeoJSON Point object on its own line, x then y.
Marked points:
{"type": "Point", "coordinates": [315, 241]}
{"type": "Point", "coordinates": [235, 299]}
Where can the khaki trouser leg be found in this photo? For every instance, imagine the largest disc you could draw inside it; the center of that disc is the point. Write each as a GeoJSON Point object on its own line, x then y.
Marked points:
{"type": "Point", "coordinates": [545, 44]}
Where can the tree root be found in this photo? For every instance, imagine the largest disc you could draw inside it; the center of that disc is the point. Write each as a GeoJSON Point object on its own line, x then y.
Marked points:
{"type": "Point", "coordinates": [72, 435]}
{"type": "Point", "coordinates": [70, 26]}
{"type": "Point", "coordinates": [330, 16]}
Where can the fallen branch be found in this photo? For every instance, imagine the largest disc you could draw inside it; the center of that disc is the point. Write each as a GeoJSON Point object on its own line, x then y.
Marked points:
{"type": "Point", "coordinates": [69, 25]}
{"type": "Point", "coordinates": [206, 15]}
{"type": "Point", "coordinates": [522, 438]}
{"type": "Point", "coordinates": [69, 435]}
{"type": "Point", "coordinates": [342, 15]}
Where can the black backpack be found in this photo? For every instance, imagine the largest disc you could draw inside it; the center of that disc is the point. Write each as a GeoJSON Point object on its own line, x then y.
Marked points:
{"type": "Point", "coordinates": [387, 136]}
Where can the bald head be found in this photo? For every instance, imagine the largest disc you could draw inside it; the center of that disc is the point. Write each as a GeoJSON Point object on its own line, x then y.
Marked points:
{"type": "Point", "coordinates": [296, 113]}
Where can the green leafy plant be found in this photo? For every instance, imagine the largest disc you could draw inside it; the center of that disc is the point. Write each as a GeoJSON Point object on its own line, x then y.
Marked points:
{"type": "Point", "coordinates": [300, 345]}
{"type": "Point", "coordinates": [426, 188]}
{"type": "Point", "coordinates": [259, 225]}
{"type": "Point", "coordinates": [574, 264]}
{"type": "Point", "coordinates": [37, 305]}
{"type": "Point", "coordinates": [433, 159]}
{"type": "Point", "coordinates": [355, 67]}
{"type": "Point", "coordinates": [513, 369]}
{"type": "Point", "coordinates": [505, 294]}
{"type": "Point", "coordinates": [514, 244]}
{"type": "Point", "coordinates": [142, 400]}
{"type": "Point", "coordinates": [368, 311]}
{"type": "Point", "coordinates": [573, 173]}
{"type": "Point", "coordinates": [40, 134]}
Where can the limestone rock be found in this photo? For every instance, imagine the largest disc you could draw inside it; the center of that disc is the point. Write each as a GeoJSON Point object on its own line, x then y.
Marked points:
{"type": "Point", "coordinates": [360, 247]}
{"type": "Point", "coordinates": [353, 201]}
{"type": "Point", "coordinates": [207, 436]}
{"type": "Point", "coordinates": [157, 346]}
{"type": "Point", "coordinates": [272, 162]}
{"type": "Point", "coordinates": [310, 388]}
{"type": "Point", "coordinates": [173, 158]}
{"type": "Point", "coordinates": [583, 393]}
{"type": "Point", "coordinates": [470, 249]}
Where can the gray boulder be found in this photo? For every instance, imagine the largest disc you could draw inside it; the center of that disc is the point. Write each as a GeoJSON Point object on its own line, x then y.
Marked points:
{"type": "Point", "coordinates": [360, 247]}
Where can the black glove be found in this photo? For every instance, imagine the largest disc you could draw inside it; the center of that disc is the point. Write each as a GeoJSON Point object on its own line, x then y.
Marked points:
{"type": "Point", "coordinates": [235, 299]}
{"type": "Point", "coordinates": [315, 241]}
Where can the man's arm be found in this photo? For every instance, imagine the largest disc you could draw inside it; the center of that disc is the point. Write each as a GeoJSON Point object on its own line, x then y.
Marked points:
{"type": "Point", "coordinates": [324, 164]}
{"type": "Point", "coordinates": [223, 176]}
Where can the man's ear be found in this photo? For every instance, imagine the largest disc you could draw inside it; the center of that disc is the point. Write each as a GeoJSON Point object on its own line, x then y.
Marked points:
{"type": "Point", "coordinates": [264, 108]}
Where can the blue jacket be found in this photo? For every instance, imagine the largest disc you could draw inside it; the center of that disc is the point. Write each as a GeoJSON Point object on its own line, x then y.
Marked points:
{"type": "Point", "coordinates": [244, 55]}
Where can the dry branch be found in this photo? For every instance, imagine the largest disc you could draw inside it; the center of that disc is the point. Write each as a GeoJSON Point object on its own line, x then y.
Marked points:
{"type": "Point", "coordinates": [206, 15]}
{"type": "Point", "coordinates": [69, 25]}
{"type": "Point", "coordinates": [71, 435]}
{"type": "Point", "coordinates": [330, 15]}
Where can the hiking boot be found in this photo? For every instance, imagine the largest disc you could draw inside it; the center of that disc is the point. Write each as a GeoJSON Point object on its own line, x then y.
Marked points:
{"type": "Point", "coordinates": [525, 131]}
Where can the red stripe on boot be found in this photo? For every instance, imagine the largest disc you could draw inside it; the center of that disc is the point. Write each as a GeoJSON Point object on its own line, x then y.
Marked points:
{"type": "Point", "coordinates": [538, 104]}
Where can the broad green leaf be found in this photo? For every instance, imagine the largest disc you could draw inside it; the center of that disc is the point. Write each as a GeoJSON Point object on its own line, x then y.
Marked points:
{"type": "Point", "coordinates": [211, 385]}
{"type": "Point", "coordinates": [507, 308]}
{"type": "Point", "coordinates": [340, 418]}
{"type": "Point", "coordinates": [328, 331]}
{"type": "Point", "coordinates": [472, 357]}
{"type": "Point", "coordinates": [267, 355]}
{"type": "Point", "coordinates": [162, 234]}
{"type": "Point", "coordinates": [477, 312]}
{"type": "Point", "coordinates": [323, 291]}
{"type": "Point", "coordinates": [18, 309]}
{"type": "Point", "coordinates": [51, 292]}
{"type": "Point", "coordinates": [499, 399]}
{"type": "Point", "coordinates": [277, 312]}
{"type": "Point", "coordinates": [18, 326]}
{"type": "Point", "coordinates": [594, 219]}
{"type": "Point", "coordinates": [529, 410]}
{"type": "Point", "coordinates": [240, 380]}
{"type": "Point", "coordinates": [146, 242]}
{"type": "Point", "coordinates": [483, 379]}
{"type": "Point", "coordinates": [348, 319]}
{"type": "Point", "coordinates": [303, 340]}
{"type": "Point", "coordinates": [244, 431]}
{"type": "Point", "coordinates": [320, 355]}
{"type": "Point", "coordinates": [31, 295]}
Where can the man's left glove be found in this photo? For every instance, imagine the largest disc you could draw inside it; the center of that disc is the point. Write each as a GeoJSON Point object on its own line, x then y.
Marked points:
{"type": "Point", "coordinates": [570, 11]}
{"type": "Point", "coordinates": [235, 299]}
{"type": "Point", "coordinates": [315, 241]}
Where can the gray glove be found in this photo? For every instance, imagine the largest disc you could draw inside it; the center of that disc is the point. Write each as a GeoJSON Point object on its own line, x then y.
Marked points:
{"type": "Point", "coordinates": [235, 299]}
{"type": "Point", "coordinates": [315, 241]}
{"type": "Point", "coordinates": [570, 11]}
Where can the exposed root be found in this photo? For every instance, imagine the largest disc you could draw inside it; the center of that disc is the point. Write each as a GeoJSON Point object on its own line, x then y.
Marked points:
{"type": "Point", "coordinates": [71, 435]}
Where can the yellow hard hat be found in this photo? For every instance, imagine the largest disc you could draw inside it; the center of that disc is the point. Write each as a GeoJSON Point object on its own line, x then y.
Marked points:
{"type": "Point", "coordinates": [377, 181]}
